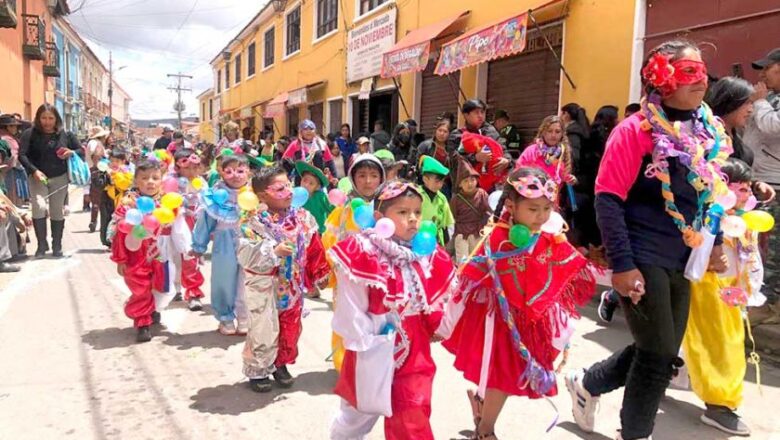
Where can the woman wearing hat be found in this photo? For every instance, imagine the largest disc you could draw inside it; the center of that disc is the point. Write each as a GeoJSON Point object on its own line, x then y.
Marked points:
{"type": "Point", "coordinates": [44, 152]}
{"type": "Point", "coordinates": [15, 179]}
{"type": "Point", "coordinates": [310, 148]}
{"type": "Point", "coordinates": [96, 150]}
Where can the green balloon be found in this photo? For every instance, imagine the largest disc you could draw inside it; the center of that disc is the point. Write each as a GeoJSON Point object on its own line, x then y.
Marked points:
{"type": "Point", "coordinates": [429, 227]}
{"type": "Point", "coordinates": [520, 236]}
{"type": "Point", "coordinates": [357, 203]}
{"type": "Point", "coordinates": [226, 152]}
{"type": "Point", "coordinates": [139, 232]}
{"type": "Point", "coordinates": [345, 185]}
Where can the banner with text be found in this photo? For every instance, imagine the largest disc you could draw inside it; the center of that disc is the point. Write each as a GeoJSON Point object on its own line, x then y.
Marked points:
{"type": "Point", "coordinates": [409, 59]}
{"type": "Point", "coordinates": [366, 44]}
{"type": "Point", "coordinates": [500, 40]}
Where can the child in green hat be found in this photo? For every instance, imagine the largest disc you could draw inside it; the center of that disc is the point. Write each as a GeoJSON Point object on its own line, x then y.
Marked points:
{"type": "Point", "coordinates": [435, 206]}
{"type": "Point", "coordinates": [314, 180]}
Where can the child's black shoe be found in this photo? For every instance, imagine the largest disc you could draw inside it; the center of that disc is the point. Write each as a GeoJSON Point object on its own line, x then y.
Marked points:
{"type": "Point", "coordinates": [144, 334]}
{"type": "Point", "coordinates": [156, 318]}
{"type": "Point", "coordinates": [260, 385]}
{"type": "Point", "coordinates": [283, 377]}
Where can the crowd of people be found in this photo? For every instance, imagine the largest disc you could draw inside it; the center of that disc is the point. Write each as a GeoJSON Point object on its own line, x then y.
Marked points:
{"type": "Point", "coordinates": [469, 235]}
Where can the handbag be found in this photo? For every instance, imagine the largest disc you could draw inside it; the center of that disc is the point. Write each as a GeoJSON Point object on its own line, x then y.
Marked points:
{"type": "Point", "coordinates": [78, 170]}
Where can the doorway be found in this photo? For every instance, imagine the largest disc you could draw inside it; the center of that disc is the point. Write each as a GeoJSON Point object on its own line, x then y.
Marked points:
{"type": "Point", "coordinates": [380, 106]}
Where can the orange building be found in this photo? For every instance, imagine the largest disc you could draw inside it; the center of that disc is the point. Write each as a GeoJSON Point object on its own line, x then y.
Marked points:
{"type": "Point", "coordinates": [28, 56]}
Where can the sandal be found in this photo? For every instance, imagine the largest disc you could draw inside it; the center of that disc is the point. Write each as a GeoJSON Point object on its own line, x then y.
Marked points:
{"type": "Point", "coordinates": [485, 436]}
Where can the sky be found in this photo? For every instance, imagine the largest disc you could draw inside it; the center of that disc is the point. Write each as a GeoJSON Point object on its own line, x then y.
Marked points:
{"type": "Point", "coordinates": [153, 38]}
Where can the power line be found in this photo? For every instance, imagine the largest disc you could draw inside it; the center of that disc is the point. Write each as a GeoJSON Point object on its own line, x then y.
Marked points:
{"type": "Point", "coordinates": [179, 106]}
{"type": "Point", "coordinates": [194, 5]}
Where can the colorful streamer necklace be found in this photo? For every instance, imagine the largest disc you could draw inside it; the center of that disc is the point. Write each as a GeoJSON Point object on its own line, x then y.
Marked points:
{"type": "Point", "coordinates": [702, 148]}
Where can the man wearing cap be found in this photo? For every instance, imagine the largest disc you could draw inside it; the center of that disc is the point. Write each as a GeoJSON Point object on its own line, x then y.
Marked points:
{"type": "Point", "coordinates": [508, 136]}
{"type": "Point", "coordinates": [474, 114]}
{"type": "Point", "coordinates": [435, 206]}
{"type": "Point", "coordinates": [762, 135]}
{"type": "Point", "coordinates": [164, 140]}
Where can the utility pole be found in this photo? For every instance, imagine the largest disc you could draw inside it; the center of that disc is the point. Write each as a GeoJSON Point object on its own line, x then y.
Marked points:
{"type": "Point", "coordinates": [179, 106]}
{"type": "Point", "coordinates": [110, 93]}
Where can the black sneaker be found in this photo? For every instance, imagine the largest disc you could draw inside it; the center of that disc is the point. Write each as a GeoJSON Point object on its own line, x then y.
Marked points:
{"type": "Point", "coordinates": [283, 377]}
{"type": "Point", "coordinates": [156, 318]}
{"type": "Point", "coordinates": [177, 297]}
{"type": "Point", "coordinates": [606, 307]}
{"type": "Point", "coordinates": [92, 227]}
{"type": "Point", "coordinates": [720, 417]}
{"type": "Point", "coordinates": [262, 385]}
{"type": "Point", "coordinates": [144, 334]}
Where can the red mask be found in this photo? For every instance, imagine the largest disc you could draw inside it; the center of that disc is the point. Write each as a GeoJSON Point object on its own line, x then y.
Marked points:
{"type": "Point", "coordinates": [687, 72]}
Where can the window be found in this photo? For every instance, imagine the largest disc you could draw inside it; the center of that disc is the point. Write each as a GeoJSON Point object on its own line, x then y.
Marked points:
{"type": "Point", "coordinates": [334, 114]}
{"type": "Point", "coordinates": [293, 31]}
{"type": "Point", "coordinates": [367, 6]}
{"type": "Point", "coordinates": [203, 111]}
{"type": "Point", "coordinates": [250, 60]}
{"type": "Point", "coordinates": [268, 49]}
{"type": "Point", "coordinates": [238, 68]}
{"type": "Point", "coordinates": [219, 81]}
{"type": "Point", "coordinates": [227, 75]}
{"type": "Point", "coordinates": [211, 109]}
{"type": "Point", "coordinates": [327, 16]}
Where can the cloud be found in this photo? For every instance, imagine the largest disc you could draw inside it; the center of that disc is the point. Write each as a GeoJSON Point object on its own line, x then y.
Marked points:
{"type": "Point", "coordinates": [153, 38]}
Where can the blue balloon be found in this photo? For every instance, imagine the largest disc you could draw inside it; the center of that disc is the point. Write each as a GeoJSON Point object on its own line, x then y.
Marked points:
{"type": "Point", "coordinates": [300, 197]}
{"type": "Point", "coordinates": [145, 204]}
{"type": "Point", "coordinates": [184, 182]}
{"type": "Point", "coordinates": [364, 217]}
{"type": "Point", "coordinates": [134, 217]}
{"type": "Point", "coordinates": [220, 196]}
{"type": "Point", "coordinates": [424, 243]}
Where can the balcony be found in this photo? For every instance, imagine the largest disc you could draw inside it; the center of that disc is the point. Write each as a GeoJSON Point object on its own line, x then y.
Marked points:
{"type": "Point", "coordinates": [52, 65]}
{"type": "Point", "coordinates": [8, 14]}
{"type": "Point", "coordinates": [34, 46]}
{"type": "Point", "coordinates": [69, 91]}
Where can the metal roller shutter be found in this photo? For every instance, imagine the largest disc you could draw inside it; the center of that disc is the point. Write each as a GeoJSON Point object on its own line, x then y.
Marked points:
{"type": "Point", "coordinates": [438, 96]}
{"type": "Point", "coordinates": [526, 85]}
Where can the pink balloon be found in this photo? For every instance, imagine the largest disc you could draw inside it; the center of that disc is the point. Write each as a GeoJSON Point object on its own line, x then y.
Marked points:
{"type": "Point", "coordinates": [384, 228]}
{"type": "Point", "coordinates": [727, 201]}
{"type": "Point", "coordinates": [151, 224]}
{"type": "Point", "coordinates": [125, 227]}
{"type": "Point", "coordinates": [170, 184]}
{"type": "Point", "coordinates": [132, 243]}
{"type": "Point", "coordinates": [751, 203]}
{"type": "Point", "coordinates": [336, 197]}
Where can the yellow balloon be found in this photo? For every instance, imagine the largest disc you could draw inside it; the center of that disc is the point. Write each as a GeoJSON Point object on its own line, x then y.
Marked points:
{"type": "Point", "coordinates": [197, 183]}
{"type": "Point", "coordinates": [164, 215]}
{"type": "Point", "coordinates": [248, 201]}
{"type": "Point", "coordinates": [759, 221]}
{"type": "Point", "coordinates": [172, 200]}
{"type": "Point", "coordinates": [122, 181]}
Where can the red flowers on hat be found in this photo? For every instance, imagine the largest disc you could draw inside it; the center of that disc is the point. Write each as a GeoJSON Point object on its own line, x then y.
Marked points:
{"type": "Point", "coordinates": [659, 72]}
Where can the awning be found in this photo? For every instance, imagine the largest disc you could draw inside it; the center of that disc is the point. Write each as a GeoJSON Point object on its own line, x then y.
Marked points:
{"type": "Point", "coordinates": [227, 110]}
{"type": "Point", "coordinates": [301, 96]}
{"type": "Point", "coordinates": [503, 38]}
{"type": "Point", "coordinates": [276, 106]}
{"type": "Point", "coordinates": [411, 53]}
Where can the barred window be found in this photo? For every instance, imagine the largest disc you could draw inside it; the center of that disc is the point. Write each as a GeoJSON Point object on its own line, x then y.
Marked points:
{"type": "Point", "coordinates": [250, 60]}
{"type": "Point", "coordinates": [294, 31]}
{"type": "Point", "coordinates": [268, 51]}
{"type": "Point", "coordinates": [367, 6]}
{"type": "Point", "coordinates": [327, 16]}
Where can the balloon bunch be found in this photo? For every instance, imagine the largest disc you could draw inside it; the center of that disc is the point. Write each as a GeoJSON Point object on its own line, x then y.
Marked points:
{"type": "Point", "coordinates": [172, 184]}
{"type": "Point", "coordinates": [121, 178]}
{"type": "Point", "coordinates": [746, 218]}
{"type": "Point", "coordinates": [423, 242]}
{"type": "Point", "coordinates": [145, 220]}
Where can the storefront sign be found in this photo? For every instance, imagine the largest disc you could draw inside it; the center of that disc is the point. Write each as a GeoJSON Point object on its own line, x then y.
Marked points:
{"type": "Point", "coordinates": [409, 59]}
{"type": "Point", "coordinates": [500, 40]}
{"type": "Point", "coordinates": [297, 97]}
{"type": "Point", "coordinates": [366, 44]}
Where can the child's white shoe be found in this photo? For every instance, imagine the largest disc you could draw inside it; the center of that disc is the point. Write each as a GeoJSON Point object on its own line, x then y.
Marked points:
{"type": "Point", "coordinates": [227, 328]}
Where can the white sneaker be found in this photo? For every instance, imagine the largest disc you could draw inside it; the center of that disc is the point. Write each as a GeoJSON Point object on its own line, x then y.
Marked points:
{"type": "Point", "coordinates": [227, 328]}
{"type": "Point", "coordinates": [583, 405]}
{"type": "Point", "coordinates": [243, 327]}
{"type": "Point", "coordinates": [194, 305]}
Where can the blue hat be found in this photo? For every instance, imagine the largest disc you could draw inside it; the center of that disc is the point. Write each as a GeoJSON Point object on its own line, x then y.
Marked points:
{"type": "Point", "coordinates": [307, 124]}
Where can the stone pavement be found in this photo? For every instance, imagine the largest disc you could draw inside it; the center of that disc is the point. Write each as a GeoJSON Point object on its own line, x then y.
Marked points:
{"type": "Point", "coordinates": [70, 369]}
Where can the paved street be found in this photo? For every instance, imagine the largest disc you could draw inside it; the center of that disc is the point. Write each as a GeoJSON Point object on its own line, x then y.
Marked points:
{"type": "Point", "coordinates": [71, 369]}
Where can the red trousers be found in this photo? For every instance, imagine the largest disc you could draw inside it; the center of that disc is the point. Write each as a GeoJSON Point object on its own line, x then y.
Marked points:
{"type": "Point", "coordinates": [290, 329]}
{"type": "Point", "coordinates": [140, 305]}
{"type": "Point", "coordinates": [191, 278]}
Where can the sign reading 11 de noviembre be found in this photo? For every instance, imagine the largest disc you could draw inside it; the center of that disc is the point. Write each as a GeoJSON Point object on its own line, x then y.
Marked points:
{"type": "Point", "coordinates": [366, 44]}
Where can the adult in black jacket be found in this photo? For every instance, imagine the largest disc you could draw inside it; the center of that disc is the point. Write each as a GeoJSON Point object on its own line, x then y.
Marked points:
{"type": "Point", "coordinates": [163, 141]}
{"type": "Point", "coordinates": [474, 114]}
{"type": "Point", "coordinates": [44, 151]}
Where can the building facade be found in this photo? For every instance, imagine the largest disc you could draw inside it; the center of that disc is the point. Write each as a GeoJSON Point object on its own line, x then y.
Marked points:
{"type": "Point", "coordinates": [68, 88]}
{"type": "Point", "coordinates": [209, 121]}
{"type": "Point", "coordinates": [323, 60]}
{"type": "Point", "coordinates": [28, 54]}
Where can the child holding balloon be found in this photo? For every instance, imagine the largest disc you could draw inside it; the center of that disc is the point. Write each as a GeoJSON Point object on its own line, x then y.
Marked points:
{"type": "Point", "coordinates": [714, 342]}
{"type": "Point", "coordinates": [135, 250]}
{"type": "Point", "coordinates": [435, 207]}
{"type": "Point", "coordinates": [393, 281]}
{"type": "Point", "coordinates": [219, 217]}
{"type": "Point", "coordinates": [283, 258]}
{"type": "Point", "coordinates": [515, 304]}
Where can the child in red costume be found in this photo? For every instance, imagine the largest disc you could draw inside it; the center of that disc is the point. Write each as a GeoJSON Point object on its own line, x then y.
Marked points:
{"type": "Point", "coordinates": [144, 272]}
{"type": "Point", "coordinates": [514, 308]}
{"type": "Point", "coordinates": [283, 258]}
{"type": "Point", "coordinates": [390, 304]}
{"type": "Point", "coordinates": [188, 274]}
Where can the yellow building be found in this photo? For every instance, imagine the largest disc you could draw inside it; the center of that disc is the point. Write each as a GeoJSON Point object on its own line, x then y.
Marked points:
{"type": "Point", "coordinates": [322, 59]}
{"type": "Point", "coordinates": [208, 126]}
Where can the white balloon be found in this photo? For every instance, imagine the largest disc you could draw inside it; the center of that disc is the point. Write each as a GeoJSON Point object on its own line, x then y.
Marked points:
{"type": "Point", "coordinates": [727, 201]}
{"type": "Point", "coordinates": [554, 225]}
{"type": "Point", "coordinates": [102, 166]}
{"type": "Point", "coordinates": [493, 199]}
{"type": "Point", "coordinates": [733, 226]}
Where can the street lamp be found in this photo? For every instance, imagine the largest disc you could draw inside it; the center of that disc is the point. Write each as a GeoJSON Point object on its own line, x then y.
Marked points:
{"type": "Point", "coordinates": [279, 5]}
